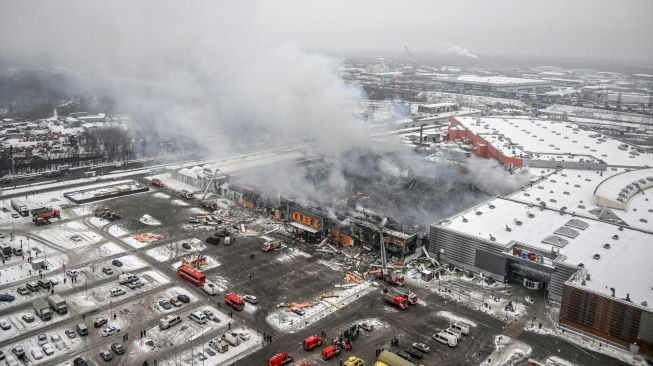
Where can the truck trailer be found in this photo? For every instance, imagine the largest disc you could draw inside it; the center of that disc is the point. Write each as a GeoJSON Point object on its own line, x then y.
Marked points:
{"type": "Point", "coordinates": [20, 206]}
{"type": "Point", "coordinates": [58, 304]}
{"type": "Point", "coordinates": [42, 309]}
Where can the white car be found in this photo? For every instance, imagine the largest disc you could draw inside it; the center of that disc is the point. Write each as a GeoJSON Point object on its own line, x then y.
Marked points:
{"type": "Point", "coordinates": [243, 335]}
{"type": "Point", "coordinates": [54, 337]}
{"type": "Point", "coordinates": [109, 331]}
{"type": "Point", "coordinates": [117, 291]}
{"type": "Point", "coordinates": [36, 353]}
{"type": "Point", "coordinates": [4, 324]}
{"type": "Point", "coordinates": [47, 349]}
{"type": "Point", "coordinates": [251, 299]}
{"type": "Point", "coordinates": [72, 272]}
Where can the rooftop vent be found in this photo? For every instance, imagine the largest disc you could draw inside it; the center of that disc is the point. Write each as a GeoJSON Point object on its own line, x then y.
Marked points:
{"type": "Point", "coordinates": [508, 228]}
{"type": "Point", "coordinates": [587, 277]}
{"type": "Point", "coordinates": [491, 206]}
{"type": "Point", "coordinates": [613, 291]}
{"type": "Point", "coordinates": [465, 219]}
{"type": "Point", "coordinates": [582, 282]}
{"type": "Point", "coordinates": [597, 256]}
{"type": "Point", "coordinates": [644, 303]}
{"type": "Point", "coordinates": [581, 265]}
{"type": "Point", "coordinates": [615, 237]}
{"type": "Point", "coordinates": [529, 214]}
{"type": "Point", "coordinates": [628, 298]}
{"type": "Point", "coordinates": [478, 213]}
{"type": "Point", "coordinates": [492, 238]}
{"type": "Point", "coordinates": [606, 246]}
{"type": "Point", "coordinates": [517, 221]}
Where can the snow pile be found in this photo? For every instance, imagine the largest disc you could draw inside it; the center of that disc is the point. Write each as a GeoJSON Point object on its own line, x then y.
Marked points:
{"type": "Point", "coordinates": [508, 352]}
{"type": "Point", "coordinates": [179, 202]}
{"type": "Point", "coordinates": [149, 220]}
{"type": "Point", "coordinates": [456, 318]}
{"type": "Point", "coordinates": [161, 195]}
{"type": "Point", "coordinates": [290, 322]}
{"type": "Point", "coordinates": [117, 231]}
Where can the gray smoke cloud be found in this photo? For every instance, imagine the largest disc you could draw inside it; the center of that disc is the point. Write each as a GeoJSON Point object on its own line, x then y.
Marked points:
{"type": "Point", "coordinates": [454, 49]}
{"type": "Point", "coordinates": [204, 72]}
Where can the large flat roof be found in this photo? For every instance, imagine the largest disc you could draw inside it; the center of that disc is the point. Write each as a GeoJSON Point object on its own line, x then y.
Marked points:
{"type": "Point", "coordinates": [546, 139]}
{"type": "Point", "coordinates": [494, 80]}
{"type": "Point", "coordinates": [576, 189]}
{"type": "Point", "coordinates": [625, 265]}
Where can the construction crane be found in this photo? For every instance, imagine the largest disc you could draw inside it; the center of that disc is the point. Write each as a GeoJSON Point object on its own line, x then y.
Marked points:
{"type": "Point", "coordinates": [409, 54]}
{"type": "Point", "coordinates": [208, 186]}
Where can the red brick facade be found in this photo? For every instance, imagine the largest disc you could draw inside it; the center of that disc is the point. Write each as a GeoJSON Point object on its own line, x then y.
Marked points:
{"type": "Point", "coordinates": [480, 147]}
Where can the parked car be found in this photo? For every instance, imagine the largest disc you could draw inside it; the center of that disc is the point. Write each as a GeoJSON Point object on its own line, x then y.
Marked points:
{"type": "Point", "coordinates": [186, 245]}
{"type": "Point", "coordinates": [118, 291]}
{"type": "Point", "coordinates": [210, 316]}
{"type": "Point", "coordinates": [118, 348]}
{"type": "Point", "coordinates": [54, 337]}
{"type": "Point", "coordinates": [12, 362]}
{"type": "Point", "coordinates": [405, 355]}
{"type": "Point", "coordinates": [7, 297]}
{"type": "Point", "coordinates": [4, 324]}
{"type": "Point", "coordinates": [243, 335]}
{"type": "Point", "coordinates": [32, 286]}
{"type": "Point", "coordinates": [421, 347]}
{"type": "Point", "coordinates": [99, 321]}
{"type": "Point", "coordinates": [116, 262]}
{"type": "Point", "coordinates": [299, 312]}
{"type": "Point", "coordinates": [47, 349]}
{"type": "Point", "coordinates": [107, 270]}
{"type": "Point", "coordinates": [2, 355]}
{"type": "Point", "coordinates": [41, 339]}
{"type": "Point", "coordinates": [165, 304]}
{"type": "Point", "coordinates": [109, 331]}
{"type": "Point", "coordinates": [193, 220]}
{"type": "Point", "coordinates": [28, 318]}
{"type": "Point", "coordinates": [106, 356]}
{"type": "Point", "coordinates": [23, 291]}
{"type": "Point", "coordinates": [183, 298]}
{"type": "Point", "coordinates": [251, 299]}
{"type": "Point", "coordinates": [79, 362]}
{"type": "Point", "coordinates": [45, 283]}
{"type": "Point", "coordinates": [70, 333]}
{"type": "Point", "coordinates": [136, 284]}
{"type": "Point", "coordinates": [36, 353]}
{"type": "Point", "coordinates": [415, 353]}
{"type": "Point", "coordinates": [176, 303]}
{"type": "Point", "coordinates": [72, 273]}
{"type": "Point", "coordinates": [18, 351]}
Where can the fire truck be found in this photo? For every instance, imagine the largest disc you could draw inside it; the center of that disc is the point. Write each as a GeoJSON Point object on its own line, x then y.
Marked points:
{"type": "Point", "coordinates": [410, 296]}
{"type": "Point", "coordinates": [234, 301]}
{"type": "Point", "coordinates": [43, 217]}
{"type": "Point", "coordinates": [330, 352]}
{"type": "Point", "coordinates": [397, 300]}
{"type": "Point", "coordinates": [281, 358]}
{"type": "Point", "coordinates": [312, 342]}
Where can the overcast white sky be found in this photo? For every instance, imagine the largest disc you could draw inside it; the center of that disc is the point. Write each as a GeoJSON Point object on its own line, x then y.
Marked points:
{"type": "Point", "coordinates": [589, 29]}
{"type": "Point", "coordinates": [579, 29]}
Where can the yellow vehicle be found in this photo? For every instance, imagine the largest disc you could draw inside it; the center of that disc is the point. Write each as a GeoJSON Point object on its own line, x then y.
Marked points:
{"type": "Point", "coordinates": [379, 363]}
{"type": "Point", "coordinates": [353, 361]}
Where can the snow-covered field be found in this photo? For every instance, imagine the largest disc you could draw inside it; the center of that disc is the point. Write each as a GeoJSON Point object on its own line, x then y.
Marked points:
{"type": "Point", "coordinates": [290, 322]}
{"type": "Point", "coordinates": [174, 250]}
{"type": "Point", "coordinates": [117, 231]}
{"type": "Point", "coordinates": [70, 235]}
{"type": "Point", "coordinates": [507, 352]}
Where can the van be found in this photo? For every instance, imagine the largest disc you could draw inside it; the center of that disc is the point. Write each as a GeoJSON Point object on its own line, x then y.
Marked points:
{"type": "Point", "coordinates": [168, 321]}
{"type": "Point", "coordinates": [446, 338]}
{"type": "Point", "coordinates": [127, 278]}
{"type": "Point", "coordinates": [45, 283]}
{"type": "Point", "coordinates": [32, 286]}
{"type": "Point", "coordinates": [462, 328]}
{"type": "Point", "coordinates": [458, 334]}
{"type": "Point", "coordinates": [82, 330]}
{"type": "Point", "coordinates": [198, 317]}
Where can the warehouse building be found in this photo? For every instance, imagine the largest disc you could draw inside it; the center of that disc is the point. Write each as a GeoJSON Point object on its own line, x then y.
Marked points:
{"type": "Point", "coordinates": [593, 269]}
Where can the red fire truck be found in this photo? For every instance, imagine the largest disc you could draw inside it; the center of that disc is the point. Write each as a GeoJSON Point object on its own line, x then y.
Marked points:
{"type": "Point", "coordinates": [234, 301]}
{"type": "Point", "coordinates": [192, 275]}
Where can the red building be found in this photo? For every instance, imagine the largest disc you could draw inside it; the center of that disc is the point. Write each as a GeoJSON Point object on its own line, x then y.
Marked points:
{"type": "Point", "coordinates": [480, 147]}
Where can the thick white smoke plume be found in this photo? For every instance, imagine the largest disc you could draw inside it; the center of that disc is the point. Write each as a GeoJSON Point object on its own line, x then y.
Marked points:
{"type": "Point", "coordinates": [455, 49]}
{"type": "Point", "coordinates": [200, 70]}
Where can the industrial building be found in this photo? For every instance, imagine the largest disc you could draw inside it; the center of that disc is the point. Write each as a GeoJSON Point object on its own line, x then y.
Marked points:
{"type": "Point", "coordinates": [592, 268]}
{"type": "Point", "coordinates": [524, 141]}
{"type": "Point", "coordinates": [496, 84]}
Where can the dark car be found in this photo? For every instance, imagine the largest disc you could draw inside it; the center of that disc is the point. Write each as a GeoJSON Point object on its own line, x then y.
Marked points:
{"type": "Point", "coordinates": [186, 245]}
{"type": "Point", "coordinates": [98, 322]}
{"type": "Point", "coordinates": [405, 355]}
{"type": "Point", "coordinates": [116, 263]}
{"type": "Point", "coordinates": [7, 297]}
{"type": "Point", "coordinates": [118, 348]}
{"type": "Point", "coordinates": [415, 353]}
{"type": "Point", "coordinates": [213, 239]}
{"type": "Point", "coordinates": [165, 304]}
{"type": "Point", "coordinates": [79, 362]}
{"type": "Point", "coordinates": [18, 351]}
{"type": "Point", "coordinates": [183, 298]}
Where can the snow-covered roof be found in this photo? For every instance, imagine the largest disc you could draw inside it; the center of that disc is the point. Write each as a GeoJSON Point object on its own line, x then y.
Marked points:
{"type": "Point", "coordinates": [620, 188]}
{"type": "Point", "coordinates": [495, 80]}
{"type": "Point", "coordinates": [624, 264]}
{"type": "Point", "coordinates": [546, 138]}
{"type": "Point", "coordinates": [575, 190]}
